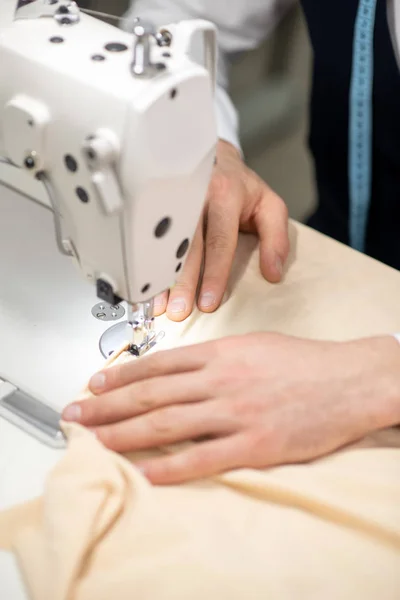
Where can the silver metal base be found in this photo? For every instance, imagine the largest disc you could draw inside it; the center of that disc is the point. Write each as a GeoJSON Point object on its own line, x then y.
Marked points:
{"type": "Point", "coordinates": [105, 312]}
{"type": "Point", "coordinates": [113, 338]}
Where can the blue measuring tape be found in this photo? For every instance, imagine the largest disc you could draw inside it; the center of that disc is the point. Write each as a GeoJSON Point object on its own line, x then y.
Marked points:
{"type": "Point", "coordinates": [360, 123]}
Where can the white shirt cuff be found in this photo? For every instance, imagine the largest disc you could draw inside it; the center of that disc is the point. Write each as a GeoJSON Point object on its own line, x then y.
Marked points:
{"type": "Point", "coordinates": [227, 118]}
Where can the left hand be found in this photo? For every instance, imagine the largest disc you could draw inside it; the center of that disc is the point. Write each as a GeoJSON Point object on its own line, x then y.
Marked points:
{"type": "Point", "coordinates": [260, 400]}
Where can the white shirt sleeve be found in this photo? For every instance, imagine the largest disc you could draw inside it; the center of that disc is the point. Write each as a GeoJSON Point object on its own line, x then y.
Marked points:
{"type": "Point", "coordinates": [242, 25]}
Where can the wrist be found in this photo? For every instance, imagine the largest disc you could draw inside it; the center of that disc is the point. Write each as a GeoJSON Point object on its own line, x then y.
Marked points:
{"type": "Point", "coordinates": [378, 366]}
{"type": "Point", "coordinates": [226, 149]}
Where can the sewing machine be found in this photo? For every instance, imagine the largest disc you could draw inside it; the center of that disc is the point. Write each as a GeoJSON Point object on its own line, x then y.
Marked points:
{"type": "Point", "coordinates": [119, 129]}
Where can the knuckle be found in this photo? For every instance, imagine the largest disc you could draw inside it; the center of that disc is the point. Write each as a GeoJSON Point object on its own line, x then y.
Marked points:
{"type": "Point", "coordinates": [88, 410]}
{"type": "Point", "coordinates": [220, 186]}
{"type": "Point", "coordinates": [259, 444]}
{"type": "Point", "coordinates": [108, 437]}
{"type": "Point", "coordinates": [224, 346]}
{"type": "Point", "coordinates": [221, 379]}
{"type": "Point", "coordinates": [246, 409]}
{"type": "Point", "coordinates": [152, 365]}
{"type": "Point", "coordinates": [163, 421]}
{"type": "Point", "coordinates": [184, 284]}
{"type": "Point", "coordinates": [117, 375]}
{"type": "Point", "coordinates": [218, 241]}
{"type": "Point", "coordinates": [143, 396]}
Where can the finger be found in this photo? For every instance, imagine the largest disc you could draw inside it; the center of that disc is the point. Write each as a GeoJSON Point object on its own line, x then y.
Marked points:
{"type": "Point", "coordinates": [164, 362]}
{"type": "Point", "coordinates": [182, 295]}
{"type": "Point", "coordinates": [271, 221]}
{"type": "Point", "coordinates": [201, 460]}
{"type": "Point", "coordinates": [139, 398]}
{"type": "Point", "coordinates": [160, 303]}
{"type": "Point", "coordinates": [165, 426]}
{"type": "Point", "coordinates": [220, 246]}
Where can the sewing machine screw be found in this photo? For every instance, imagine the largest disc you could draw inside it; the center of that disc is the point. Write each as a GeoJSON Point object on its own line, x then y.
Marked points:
{"type": "Point", "coordinates": [30, 160]}
{"type": "Point", "coordinates": [164, 38]}
{"type": "Point", "coordinates": [108, 312]}
{"type": "Point", "coordinates": [29, 163]}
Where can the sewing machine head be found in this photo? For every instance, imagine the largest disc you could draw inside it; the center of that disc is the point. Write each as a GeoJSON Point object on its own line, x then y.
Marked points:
{"type": "Point", "coordinates": [120, 128]}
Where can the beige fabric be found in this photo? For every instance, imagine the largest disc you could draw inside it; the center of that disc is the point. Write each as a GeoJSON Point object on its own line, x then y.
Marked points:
{"type": "Point", "coordinates": [326, 530]}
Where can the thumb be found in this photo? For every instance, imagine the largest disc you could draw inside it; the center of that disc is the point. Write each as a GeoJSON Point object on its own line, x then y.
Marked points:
{"type": "Point", "coordinates": [271, 221]}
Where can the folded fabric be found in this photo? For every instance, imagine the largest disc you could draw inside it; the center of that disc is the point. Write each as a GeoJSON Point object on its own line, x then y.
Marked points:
{"type": "Point", "coordinates": [326, 530]}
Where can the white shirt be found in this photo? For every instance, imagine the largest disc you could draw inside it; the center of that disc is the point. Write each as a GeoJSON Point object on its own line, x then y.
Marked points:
{"type": "Point", "coordinates": [242, 25]}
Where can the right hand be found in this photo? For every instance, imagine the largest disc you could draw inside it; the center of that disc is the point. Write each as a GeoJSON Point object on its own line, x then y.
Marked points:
{"type": "Point", "coordinates": [237, 200]}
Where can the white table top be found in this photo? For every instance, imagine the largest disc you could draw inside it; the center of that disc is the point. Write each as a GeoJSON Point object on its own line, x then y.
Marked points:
{"type": "Point", "coordinates": [48, 345]}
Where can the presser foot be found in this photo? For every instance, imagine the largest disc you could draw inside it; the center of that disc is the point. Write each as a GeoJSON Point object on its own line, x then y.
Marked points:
{"type": "Point", "coordinates": [147, 344]}
{"type": "Point", "coordinates": [120, 333]}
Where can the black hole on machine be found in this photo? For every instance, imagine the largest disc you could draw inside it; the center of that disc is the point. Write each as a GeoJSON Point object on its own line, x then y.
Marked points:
{"type": "Point", "coordinates": [145, 288]}
{"type": "Point", "coordinates": [65, 21]}
{"type": "Point", "coordinates": [116, 47]}
{"type": "Point", "coordinates": [29, 162]}
{"type": "Point", "coordinates": [70, 163]}
{"type": "Point", "coordinates": [63, 10]}
{"type": "Point", "coordinates": [91, 154]}
{"type": "Point", "coordinates": [56, 39]}
{"type": "Point", "coordinates": [98, 57]}
{"type": "Point", "coordinates": [183, 248]}
{"type": "Point", "coordinates": [31, 123]}
{"type": "Point", "coordinates": [178, 268]}
{"type": "Point", "coordinates": [173, 93]}
{"type": "Point", "coordinates": [166, 54]}
{"type": "Point", "coordinates": [82, 194]}
{"type": "Point", "coordinates": [162, 227]}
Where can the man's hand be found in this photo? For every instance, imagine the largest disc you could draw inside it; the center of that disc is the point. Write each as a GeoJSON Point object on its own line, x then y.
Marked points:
{"type": "Point", "coordinates": [254, 401]}
{"type": "Point", "coordinates": [238, 200]}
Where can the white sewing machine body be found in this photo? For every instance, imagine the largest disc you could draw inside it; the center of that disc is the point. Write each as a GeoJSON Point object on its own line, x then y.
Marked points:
{"type": "Point", "coordinates": [122, 134]}
{"type": "Point", "coordinates": [128, 154]}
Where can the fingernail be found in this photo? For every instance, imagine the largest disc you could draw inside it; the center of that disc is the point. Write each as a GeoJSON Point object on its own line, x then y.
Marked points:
{"type": "Point", "coordinates": [278, 265]}
{"type": "Point", "coordinates": [207, 300]}
{"type": "Point", "coordinates": [97, 382]}
{"type": "Point", "coordinates": [177, 305]}
{"type": "Point", "coordinates": [73, 412]}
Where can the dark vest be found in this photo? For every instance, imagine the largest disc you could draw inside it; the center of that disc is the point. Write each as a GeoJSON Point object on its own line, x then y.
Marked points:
{"type": "Point", "coordinates": [331, 28]}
